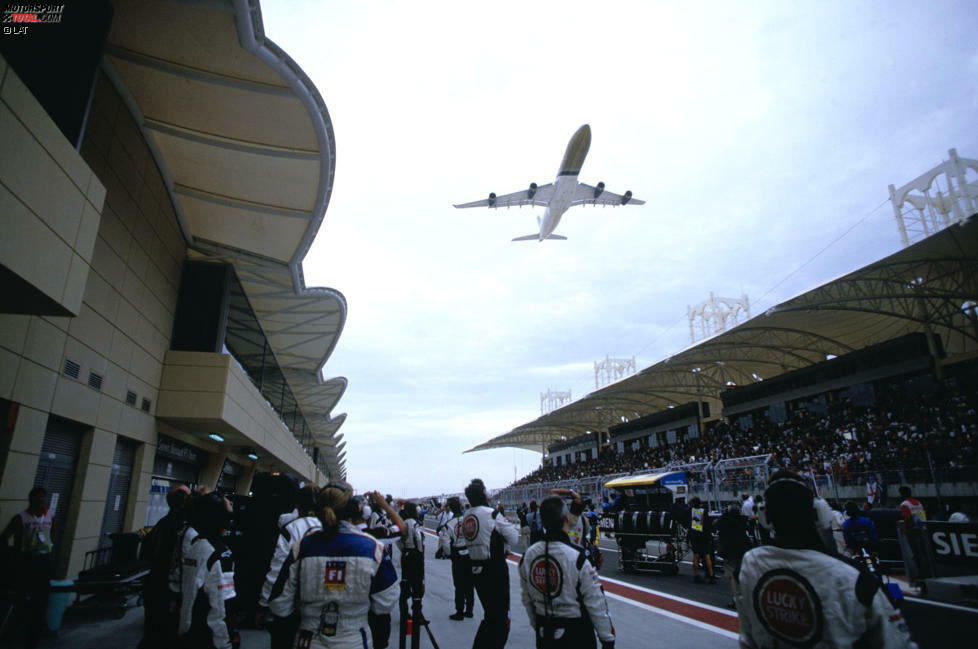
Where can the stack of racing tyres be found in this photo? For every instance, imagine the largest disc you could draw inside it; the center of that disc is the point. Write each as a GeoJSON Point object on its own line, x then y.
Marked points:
{"type": "Point", "coordinates": [646, 529]}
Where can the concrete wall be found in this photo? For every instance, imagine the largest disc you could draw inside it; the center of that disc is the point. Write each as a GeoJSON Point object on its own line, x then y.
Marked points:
{"type": "Point", "coordinates": [122, 330]}
{"type": "Point", "coordinates": [210, 392]}
{"type": "Point", "coordinates": [96, 235]}
{"type": "Point", "coordinates": [49, 197]}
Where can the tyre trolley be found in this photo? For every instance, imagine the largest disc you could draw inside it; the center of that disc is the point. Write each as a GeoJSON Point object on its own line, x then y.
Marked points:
{"type": "Point", "coordinates": [648, 537]}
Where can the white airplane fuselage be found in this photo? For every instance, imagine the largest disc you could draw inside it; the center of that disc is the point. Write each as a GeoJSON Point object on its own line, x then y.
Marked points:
{"type": "Point", "coordinates": [566, 182]}
{"type": "Point", "coordinates": [564, 188]}
{"type": "Point", "coordinates": [560, 195]}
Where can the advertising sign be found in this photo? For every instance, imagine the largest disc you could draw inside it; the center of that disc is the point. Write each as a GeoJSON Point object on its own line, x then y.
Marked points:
{"type": "Point", "coordinates": [954, 545]}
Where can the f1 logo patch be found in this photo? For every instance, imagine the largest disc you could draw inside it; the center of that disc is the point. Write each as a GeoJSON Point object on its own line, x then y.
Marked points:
{"type": "Point", "coordinates": [335, 577]}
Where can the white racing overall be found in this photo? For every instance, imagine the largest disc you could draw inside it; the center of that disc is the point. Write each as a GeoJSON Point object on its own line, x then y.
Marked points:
{"type": "Point", "coordinates": [333, 584]}
{"type": "Point", "coordinates": [562, 595]}
{"type": "Point", "coordinates": [806, 598]}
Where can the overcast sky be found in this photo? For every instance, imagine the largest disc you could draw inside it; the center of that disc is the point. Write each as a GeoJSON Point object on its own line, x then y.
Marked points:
{"type": "Point", "coordinates": [757, 132]}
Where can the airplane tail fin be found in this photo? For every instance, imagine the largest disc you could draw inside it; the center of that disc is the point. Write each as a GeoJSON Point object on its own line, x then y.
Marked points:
{"type": "Point", "coordinates": [536, 237]}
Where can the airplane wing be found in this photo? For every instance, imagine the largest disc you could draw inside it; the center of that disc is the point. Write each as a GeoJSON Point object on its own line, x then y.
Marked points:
{"type": "Point", "coordinates": [541, 197]}
{"type": "Point", "coordinates": [584, 195]}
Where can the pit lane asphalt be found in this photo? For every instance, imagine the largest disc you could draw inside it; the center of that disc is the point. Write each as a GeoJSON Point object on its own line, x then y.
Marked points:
{"type": "Point", "coordinates": [642, 618]}
{"type": "Point", "coordinates": [659, 618]}
{"type": "Point", "coordinates": [678, 585]}
{"type": "Point", "coordinates": [933, 625]}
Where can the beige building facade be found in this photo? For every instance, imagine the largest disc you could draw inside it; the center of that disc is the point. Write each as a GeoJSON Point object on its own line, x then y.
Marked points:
{"type": "Point", "coordinates": [154, 323]}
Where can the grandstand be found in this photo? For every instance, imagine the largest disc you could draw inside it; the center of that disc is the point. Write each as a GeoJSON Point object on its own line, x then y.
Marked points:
{"type": "Point", "coordinates": [868, 379]}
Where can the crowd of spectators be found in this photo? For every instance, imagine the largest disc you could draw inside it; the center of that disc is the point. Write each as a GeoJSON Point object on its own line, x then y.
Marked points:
{"type": "Point", "coordinates": [898, 439]}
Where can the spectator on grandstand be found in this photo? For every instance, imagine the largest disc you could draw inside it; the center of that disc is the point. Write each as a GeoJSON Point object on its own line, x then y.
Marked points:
{"type": "Point", "coordinates": [856, 443]}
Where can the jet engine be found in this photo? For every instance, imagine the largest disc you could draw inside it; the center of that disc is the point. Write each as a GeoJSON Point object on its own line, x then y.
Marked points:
{"type": "Point", "coordinates": [627, 197]}
{"type": "Point", "coordinates": [598, 189]}
{"type": "Point", "coordinates": [532, 190]}
{"type": "Point", "coordinates": [492, 199]}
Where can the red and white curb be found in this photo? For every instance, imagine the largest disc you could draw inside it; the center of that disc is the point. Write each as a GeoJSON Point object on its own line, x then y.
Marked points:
{"type": "Point", "coordinates": [718, 620]}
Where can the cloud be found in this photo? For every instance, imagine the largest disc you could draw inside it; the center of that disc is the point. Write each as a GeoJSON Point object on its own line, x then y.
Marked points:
{"type": "Point", "coordinates": [757, 133]}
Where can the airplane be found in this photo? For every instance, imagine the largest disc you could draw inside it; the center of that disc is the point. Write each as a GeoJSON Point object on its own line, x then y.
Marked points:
{"type": "Point", "coordinates": [563, 193]}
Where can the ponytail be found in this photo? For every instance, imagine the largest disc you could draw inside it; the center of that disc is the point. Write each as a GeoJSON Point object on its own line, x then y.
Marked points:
{"type": "Point", "coordinates": [328, 518]}
{"type": "Point", "coordinates": [332, 504]}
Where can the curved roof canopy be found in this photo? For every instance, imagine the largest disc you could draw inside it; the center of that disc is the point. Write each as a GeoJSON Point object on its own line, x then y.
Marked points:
{"type": "Point", "coordinates": [930, 286]}
{"type": "Point", "coordinates": [245, 147]}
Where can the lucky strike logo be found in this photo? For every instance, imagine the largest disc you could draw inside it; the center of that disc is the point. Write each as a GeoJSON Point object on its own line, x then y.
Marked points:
{"type": "Point", "coordinates": [470, 527]}
{"type": "Point", "coordinates": [788, 608]}
{"type": "Point", "coordinates": [546, 577]}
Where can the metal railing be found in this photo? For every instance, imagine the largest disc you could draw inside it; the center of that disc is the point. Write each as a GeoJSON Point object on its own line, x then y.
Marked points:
{"type": "Point", "coordinates": [724, 480]}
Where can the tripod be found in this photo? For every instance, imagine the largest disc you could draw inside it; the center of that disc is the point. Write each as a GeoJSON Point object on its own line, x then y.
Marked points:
{"type": "Point", "coordinates": [412, 588]}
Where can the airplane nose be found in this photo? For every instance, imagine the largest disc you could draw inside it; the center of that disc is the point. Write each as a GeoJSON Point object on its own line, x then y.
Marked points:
{"type": "Point", "coordinates": [576, 152]}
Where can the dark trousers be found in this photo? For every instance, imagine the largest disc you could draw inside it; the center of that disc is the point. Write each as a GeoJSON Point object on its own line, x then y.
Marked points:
{"type": "Point", "coordinates": [491, 580]}
{"type": "Point", "coordinates": [34, 587]}
{"type": "Point", "coordinates": [283, 630]}
{"type": "Point", "coordinates": [161, 617]}
{"type": "Point", "coordinates": [462, 578]}
{"type": "Point", "coordinates": [565, 634]}
{"type": "Point", "coordinates": [380, 629]}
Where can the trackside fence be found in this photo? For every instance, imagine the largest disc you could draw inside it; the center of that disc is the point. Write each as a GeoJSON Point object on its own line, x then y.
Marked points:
{"type": "Point", "coordinates": [724, 481]}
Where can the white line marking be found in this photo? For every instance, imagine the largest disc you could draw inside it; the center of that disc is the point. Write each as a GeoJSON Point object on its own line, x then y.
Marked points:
{"type": "Point", "coordinates": [674, 598]}
{"type": "Point", "coordinates": [675, 616]}
{"type": "Point", "coordinates": [930, 602]}
{"type": "Point", "coordinates": [653, 609]}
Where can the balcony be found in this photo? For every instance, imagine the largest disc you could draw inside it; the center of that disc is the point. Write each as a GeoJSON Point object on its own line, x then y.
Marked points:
{"type": "Point", "coordinates": [203, 393]}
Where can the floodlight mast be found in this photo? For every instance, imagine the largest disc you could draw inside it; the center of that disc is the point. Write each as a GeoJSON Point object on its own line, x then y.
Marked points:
{"type": "Point", "coordinates": [919, 213]}
{"type": "Point", "coordinates": [551, 400]}
{"type": "Point", "coordinates": [611, 370]}
{"type": "Point", "coordinates": [716, 315]}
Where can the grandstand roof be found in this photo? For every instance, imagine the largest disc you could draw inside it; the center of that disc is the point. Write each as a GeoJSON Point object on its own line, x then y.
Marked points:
{"type": "Point", "coordinates": [925, 287]}
{"type": "Point", "coordinates": [246, 149]}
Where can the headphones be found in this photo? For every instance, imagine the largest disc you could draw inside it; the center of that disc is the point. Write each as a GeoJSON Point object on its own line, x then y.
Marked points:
{"type": "Point", "coordinates": [788, 478]}
{"type": "Point", "coordinates": [785, 481]}
{"type": "Point", "coordinates": [349, 509]}
{"type": "Point", "coordinates": [821, 513]}
{"type": "Point", "coordinates": [342, 486]}
{"type": "Point", "coordinates": [355, 508]}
